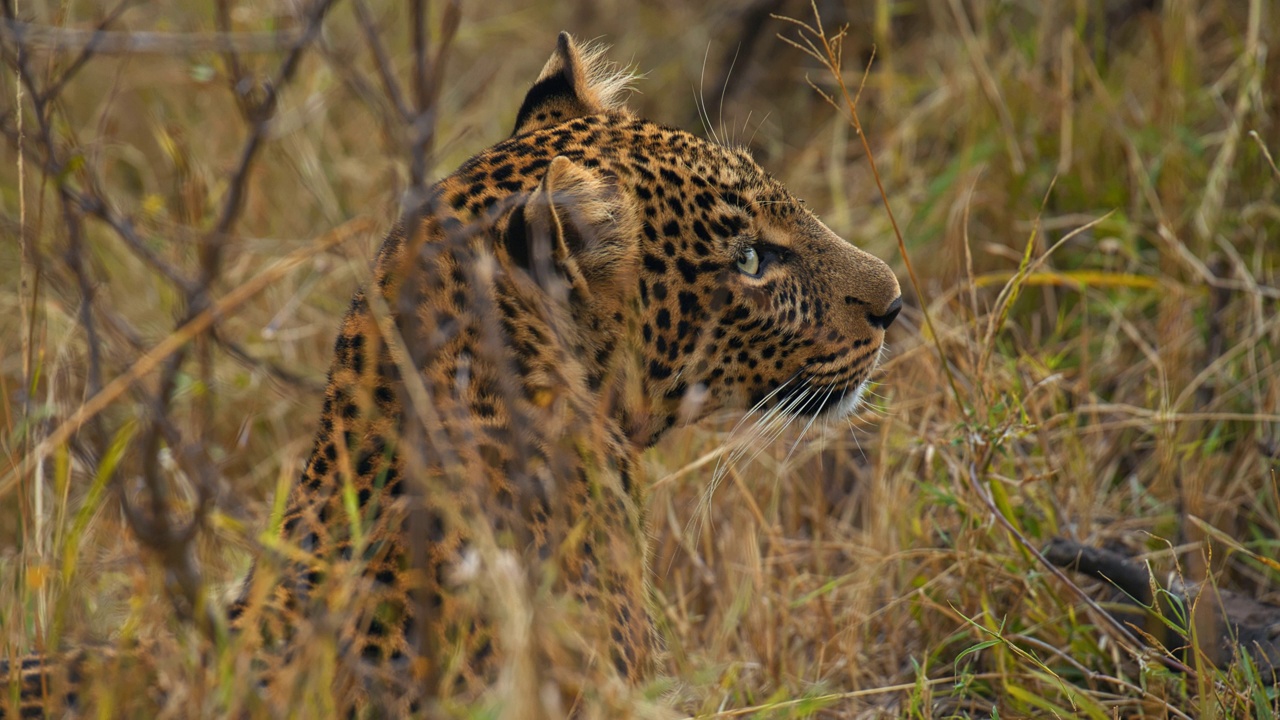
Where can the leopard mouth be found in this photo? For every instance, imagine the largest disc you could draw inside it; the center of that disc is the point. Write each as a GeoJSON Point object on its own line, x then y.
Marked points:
{"type": "Point", "coordinates": [809, 399]}
{"type": "Point", "coordinates": [824, 392]}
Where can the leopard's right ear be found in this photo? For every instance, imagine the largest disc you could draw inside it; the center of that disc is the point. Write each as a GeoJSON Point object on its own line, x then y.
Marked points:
{"type": "Point", "coordinates": [576, 82]}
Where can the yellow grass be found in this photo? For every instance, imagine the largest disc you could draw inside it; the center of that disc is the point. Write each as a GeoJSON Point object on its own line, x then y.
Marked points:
{"type": "Point", "coordinates": [1085, 191]}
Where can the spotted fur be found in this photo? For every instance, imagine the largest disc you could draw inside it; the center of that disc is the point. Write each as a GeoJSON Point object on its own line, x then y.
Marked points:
{"type": "Point", "coordinates": [557, 304]}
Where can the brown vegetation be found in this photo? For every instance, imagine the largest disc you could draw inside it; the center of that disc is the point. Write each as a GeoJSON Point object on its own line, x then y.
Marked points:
{"type": "Point", "coordinates": [1087, 193]}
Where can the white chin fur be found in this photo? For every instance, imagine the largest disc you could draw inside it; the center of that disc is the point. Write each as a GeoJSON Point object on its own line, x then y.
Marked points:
{"type": "Point", "coordinates": [848, 404]}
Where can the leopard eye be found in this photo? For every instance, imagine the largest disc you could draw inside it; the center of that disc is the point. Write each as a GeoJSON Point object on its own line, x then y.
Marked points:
{"type": "Point", "coordinates": [749, 261]}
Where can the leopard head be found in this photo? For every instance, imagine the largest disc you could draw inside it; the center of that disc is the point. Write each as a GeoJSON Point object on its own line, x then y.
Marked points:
{"type": "Point", "coordinates": [695, 280]}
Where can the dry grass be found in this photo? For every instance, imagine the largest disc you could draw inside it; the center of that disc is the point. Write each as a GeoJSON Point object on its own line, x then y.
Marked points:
{"type": "Point", "coordinates": [1084, 190]}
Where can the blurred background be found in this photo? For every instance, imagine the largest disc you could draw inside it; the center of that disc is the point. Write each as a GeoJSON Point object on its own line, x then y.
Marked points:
{"type": "Point", "coordinates": [1087, 196]}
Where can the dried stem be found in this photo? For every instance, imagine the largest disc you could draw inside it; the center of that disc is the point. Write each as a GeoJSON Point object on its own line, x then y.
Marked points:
{"type": "Point", "coordinates": [829, 55]}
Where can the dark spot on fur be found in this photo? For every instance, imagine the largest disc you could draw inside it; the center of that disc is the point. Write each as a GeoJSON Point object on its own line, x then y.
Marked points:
{"type": "Point", "coordinates": [655, 264]}
{"type": "Point", "coordinates": [658, 371]}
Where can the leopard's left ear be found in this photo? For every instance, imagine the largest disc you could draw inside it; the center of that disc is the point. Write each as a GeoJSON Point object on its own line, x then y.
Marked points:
{"type": "Point", "coordinates": [575, 227]}
{"type": "Point", "coordinates": [577, 81]}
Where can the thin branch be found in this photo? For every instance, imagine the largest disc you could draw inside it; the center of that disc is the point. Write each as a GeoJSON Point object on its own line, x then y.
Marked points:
{"type": "Point", "coordinates": [81, 196]}
{"type": "Point", "coordinates": [92, 202]}
{"type": "Point", "coordinates": [1118, 632]}
{"type": "Point", "coordinates": [428, 76]}
{"type": "Point", "coordinates": [381, 60]}
{"type": "Point", "coordinates": [230, 56]}
{"type": "Point", "coordinates": [233, 204]}
{"type": "Point", "coordinates": [153, 358]}
{"type": "Point", "coordinates": [241, 355]}
{"type": "Point", "coordinates": [830, 57]}
{"type": "Point", "coordinates": [88, 51]}
{"type": "Point", "coordinates": [34, 37]}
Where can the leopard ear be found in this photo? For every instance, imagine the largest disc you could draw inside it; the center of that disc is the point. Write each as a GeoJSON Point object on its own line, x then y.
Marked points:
{"type": "Point", "coordinates": [574, 226]}
{"type": "Point", "coordinates": [577, 81]}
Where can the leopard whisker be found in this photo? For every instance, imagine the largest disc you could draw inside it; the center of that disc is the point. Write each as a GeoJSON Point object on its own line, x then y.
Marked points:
{"type": "Point", "coordinates": [789, 417]}
{"type": "Point", "coordinates": [751, 412]}
{"type": "Point", "coordinates": [765, 426]}
{"type": "Point", "coordinates": [853, 433]}
{"type": "Point", "coordinates": [725, 136]}
{"type": "Point", "coordinates": [700, 100]}
{"type": "Point", "coordinates": [782, 410]}
{"type": "Point", "coordinates": [753, 432]}
{"type": "Point", "coordinates": [795, 445]}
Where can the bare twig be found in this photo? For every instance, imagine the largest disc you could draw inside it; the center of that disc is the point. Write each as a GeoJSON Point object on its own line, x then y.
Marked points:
{"type": "Point", "coordinates": [75, 259]}
{"type": "Point", "coordinates": [157, 531]}
{"type": "Point", "coordinates": [275, 370]}
{"type": "Point", "coordinates": [428, 74]}
{"type": "Point", "coordinates": [233, 202]}
{"type": "Point", "coordinates": [92, 202]}
{"type": "Point", "coordinates": [381, 59]}
{"type": "Point", "coordinates": [830, 57]}
{"type": "Point", "coordinates": [75, 229]}
{"type": "Point", "coordinates": [419, 10]}
{"type": "Point", "coordinates": [44, 38]}
{"type": "Point", "coordinates": [230, 56]}
{"type": "Point", "coordinates": [1118, 632]}
{"type": "Point", "coordinates": [150, 361]}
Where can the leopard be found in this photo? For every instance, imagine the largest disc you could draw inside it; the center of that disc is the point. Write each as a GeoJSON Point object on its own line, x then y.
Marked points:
{"type": "Point", "coordinates": [472, 513]}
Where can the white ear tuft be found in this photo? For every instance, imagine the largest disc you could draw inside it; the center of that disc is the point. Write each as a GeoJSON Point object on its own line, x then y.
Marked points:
{"type": "Point", "coordinates": [576, 82]}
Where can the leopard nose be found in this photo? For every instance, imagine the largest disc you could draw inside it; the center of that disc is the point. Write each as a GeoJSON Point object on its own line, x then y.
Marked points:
{"type": "Point", "coordinates": [884, 321]}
